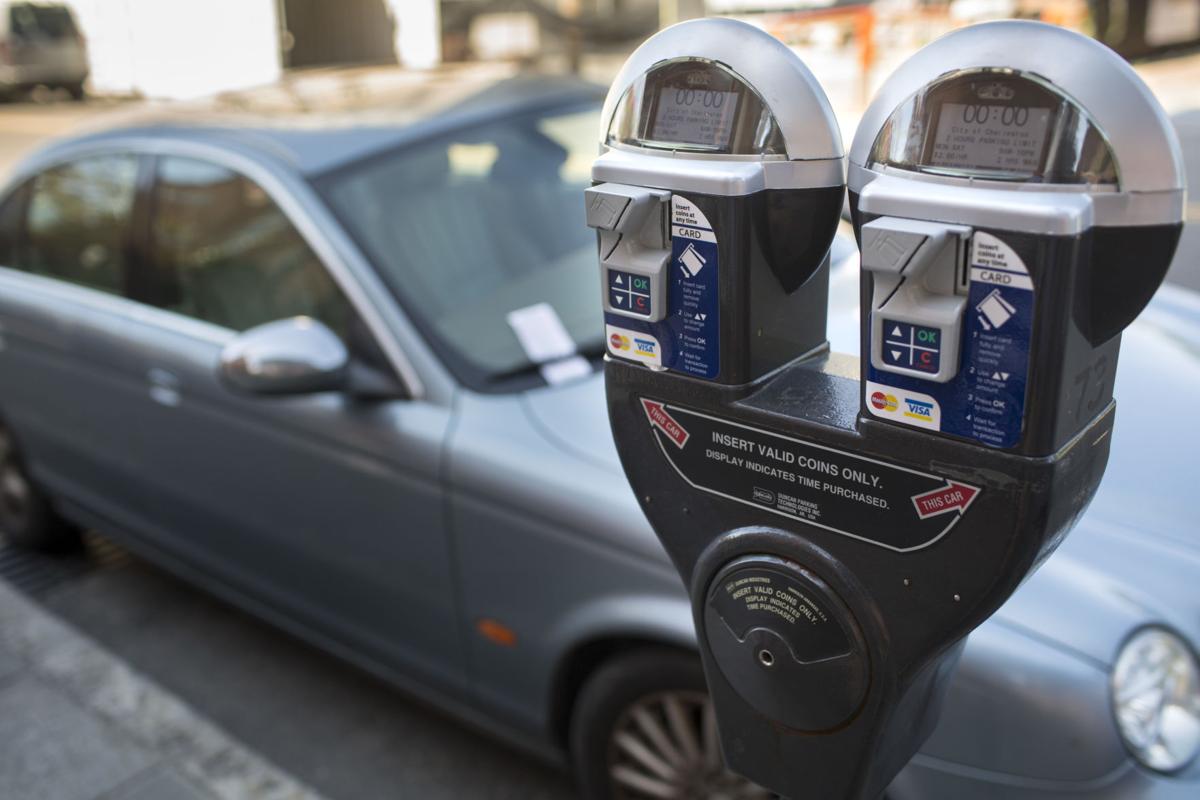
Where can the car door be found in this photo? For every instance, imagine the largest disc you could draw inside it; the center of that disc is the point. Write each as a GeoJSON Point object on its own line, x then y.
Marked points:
{"type": "Point", "coordinates": [325, 506]}
{"type": "Point", "coordinates": [66, 249]}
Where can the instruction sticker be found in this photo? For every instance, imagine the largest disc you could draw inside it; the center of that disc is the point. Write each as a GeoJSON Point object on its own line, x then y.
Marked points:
{"type": "Point", "coordinates": [688, 339]}
{"type": "Point", "coordinates": [999, 330]}
{"type": "Point", "coordinates": [986, 400]}
{"type": "Point", "coordinates": [893, 507]}
{"type": "Point", "coordinates": [692, 291]}
{"type": "Point", "coordinates": [755, 596]}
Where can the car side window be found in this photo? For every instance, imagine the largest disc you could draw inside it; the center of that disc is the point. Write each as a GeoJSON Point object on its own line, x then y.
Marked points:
{"type": "Point", "coordinates": [222, 251]}
{"type": "Point", "coordinates": [77, 222]}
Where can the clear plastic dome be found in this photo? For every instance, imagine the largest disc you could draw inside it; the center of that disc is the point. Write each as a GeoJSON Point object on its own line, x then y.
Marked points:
{"type": "Point", "coordinates": [695, 105]}
{"type": "Point", "coordinates": [996, 125]}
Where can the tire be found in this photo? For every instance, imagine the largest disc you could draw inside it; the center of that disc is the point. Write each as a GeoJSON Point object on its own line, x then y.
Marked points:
{"type": "Point", "coordinates": [643, 727]}
{"type": "Point", "coordinates": [27, 518]}
{"type": "Point", "coordinates": [77, 92]}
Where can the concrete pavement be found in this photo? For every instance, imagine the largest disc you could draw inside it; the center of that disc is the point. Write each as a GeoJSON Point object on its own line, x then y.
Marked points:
{"type": "Point", "coordinates": [78, 724]}
{"type": "Point", "coordinates": [328, 724]}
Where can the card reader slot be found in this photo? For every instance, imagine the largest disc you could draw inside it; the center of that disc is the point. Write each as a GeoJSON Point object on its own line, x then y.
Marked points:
{"type": "Point", "coordinates": [615, 240]}
{"type": "Point", "coordinates": [892, 293]}
{"type": "Point", "coordinates": [964, 269]}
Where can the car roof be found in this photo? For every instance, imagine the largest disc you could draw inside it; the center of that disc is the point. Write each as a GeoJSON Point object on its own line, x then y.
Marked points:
{"type": "Point", "coordinates": [319, 120]}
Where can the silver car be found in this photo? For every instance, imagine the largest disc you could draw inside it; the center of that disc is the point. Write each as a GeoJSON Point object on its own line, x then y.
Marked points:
{"type": "Point", "coordinates": [275, 355]}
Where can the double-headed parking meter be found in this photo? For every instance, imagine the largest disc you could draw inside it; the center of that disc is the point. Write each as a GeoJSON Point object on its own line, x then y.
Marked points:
{"type": "Point", "coordinates": [842, 524]}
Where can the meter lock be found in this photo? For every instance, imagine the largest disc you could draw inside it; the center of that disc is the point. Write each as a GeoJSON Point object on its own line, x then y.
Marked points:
{"type": "Point", "coordinates": [635, 246]}
{"type": "Point", "coordinates": [920, 293]}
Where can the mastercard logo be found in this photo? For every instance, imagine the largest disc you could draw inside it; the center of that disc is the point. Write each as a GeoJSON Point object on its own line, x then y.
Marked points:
{"type": "Point", "coordinates": [884, 402]}
{"type": "Point", "coordinates": [618, 342]}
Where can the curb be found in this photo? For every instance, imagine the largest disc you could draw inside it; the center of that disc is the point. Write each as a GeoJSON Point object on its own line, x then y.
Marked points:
{"type": "Point", "coordinates": [136, 706]}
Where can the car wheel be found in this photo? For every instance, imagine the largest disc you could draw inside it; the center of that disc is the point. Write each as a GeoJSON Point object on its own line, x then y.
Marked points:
{"type": "Point", "coordinates": [77, 92]}
{"type": "Point", "coordinates": [644, 729]}
{"type": "Point", "coordinates": [26, 516]}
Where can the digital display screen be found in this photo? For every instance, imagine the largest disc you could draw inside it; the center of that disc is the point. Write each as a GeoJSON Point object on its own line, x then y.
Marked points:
{"type": "Point", "coordinates": [1001, 138]}
{"type": "Point", "coordinates": [701, 117]}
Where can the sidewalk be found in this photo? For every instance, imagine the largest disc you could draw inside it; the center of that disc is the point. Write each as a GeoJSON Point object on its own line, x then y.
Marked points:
{"type": "Point", "coordinates": [76, 724]}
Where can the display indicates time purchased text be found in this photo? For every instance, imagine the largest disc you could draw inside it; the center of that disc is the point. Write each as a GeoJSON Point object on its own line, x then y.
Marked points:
{"type": "Point", "coordinates": [842, 492]}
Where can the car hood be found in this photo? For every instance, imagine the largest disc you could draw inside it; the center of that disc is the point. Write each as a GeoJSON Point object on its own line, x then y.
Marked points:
{"type": "Point", "coordinates": [1134, 557]}
{"type": "Point", "coordinates": [575, 417]}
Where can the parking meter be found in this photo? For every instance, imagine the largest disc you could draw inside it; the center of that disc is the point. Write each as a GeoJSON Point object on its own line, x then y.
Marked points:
{"type": "Point", "coordinates": [843, 523]}
{"type": "Point", "coordinates": [1018, 195]}
{"type": "Point", "coordinates": [716, 198]}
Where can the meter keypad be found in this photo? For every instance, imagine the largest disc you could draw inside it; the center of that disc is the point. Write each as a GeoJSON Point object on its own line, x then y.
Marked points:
{"type": "Point", "coordinates": [630, 292]}
{"type": "Point", "coordinates": [911, 346]}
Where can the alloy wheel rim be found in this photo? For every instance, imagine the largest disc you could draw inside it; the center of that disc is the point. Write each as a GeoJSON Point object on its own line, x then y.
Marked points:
{"type": "Point", "coordinates": [665, 747]}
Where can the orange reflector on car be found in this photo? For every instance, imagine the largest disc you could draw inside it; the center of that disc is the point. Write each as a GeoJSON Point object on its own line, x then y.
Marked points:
{"type": "Point", "coordinates": [496, 632]}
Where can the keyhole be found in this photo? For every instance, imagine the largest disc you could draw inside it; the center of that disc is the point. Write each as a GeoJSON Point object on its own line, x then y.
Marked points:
{"type": "Point", "coordinates": [766, 658]}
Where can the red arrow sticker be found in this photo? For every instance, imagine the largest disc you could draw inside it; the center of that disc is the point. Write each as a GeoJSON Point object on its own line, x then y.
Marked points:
{"type": "Point", "coordinates": [955, 497]}
{"type": "Point", "coordinates": [659, 418]}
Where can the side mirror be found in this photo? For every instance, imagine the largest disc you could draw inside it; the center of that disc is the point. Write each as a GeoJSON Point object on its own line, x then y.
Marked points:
{"type": "Point", "coordinates": [290, 356]}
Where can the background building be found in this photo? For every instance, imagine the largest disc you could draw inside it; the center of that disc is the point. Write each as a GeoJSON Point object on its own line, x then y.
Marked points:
{"type": "Point", "coordinates": [188, 48]}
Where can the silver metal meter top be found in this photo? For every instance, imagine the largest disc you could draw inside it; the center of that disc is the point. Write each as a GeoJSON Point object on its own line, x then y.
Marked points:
{"type": "Point", "coordinates": [1021, 107]}
{"type": "Point", "coordinates": [738, 114]}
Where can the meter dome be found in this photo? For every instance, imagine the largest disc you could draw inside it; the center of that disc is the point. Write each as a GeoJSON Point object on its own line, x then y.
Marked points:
{"type": "Point", "coordinates": [756, 63]}
{"type": "Point", "coordinates": [1101, 86]}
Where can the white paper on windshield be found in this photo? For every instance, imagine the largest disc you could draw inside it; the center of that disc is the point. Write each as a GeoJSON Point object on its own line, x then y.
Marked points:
{"type": "Point", "coordinates": [545, 341]}
{"type": "Point", "coordinates": [567, 369]}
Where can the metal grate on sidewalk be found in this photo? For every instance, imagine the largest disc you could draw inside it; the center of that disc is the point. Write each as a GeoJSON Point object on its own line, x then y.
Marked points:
{"type": "Point", "coordinates": [36, 574]}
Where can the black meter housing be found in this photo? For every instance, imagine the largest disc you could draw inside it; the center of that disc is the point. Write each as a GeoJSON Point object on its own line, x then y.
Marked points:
{"type": "Point", "coordinates": [843, 523]}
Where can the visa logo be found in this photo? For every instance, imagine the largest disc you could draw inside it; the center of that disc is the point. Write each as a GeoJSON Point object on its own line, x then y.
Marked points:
{"type": "Point", "coordinates": [919, 409]}
{"type": "Point", "coordinates": [644, 346]}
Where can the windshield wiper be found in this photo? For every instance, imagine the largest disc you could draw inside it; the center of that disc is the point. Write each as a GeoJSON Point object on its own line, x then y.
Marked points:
{"type": "Point", "coordinates": [591, 353]}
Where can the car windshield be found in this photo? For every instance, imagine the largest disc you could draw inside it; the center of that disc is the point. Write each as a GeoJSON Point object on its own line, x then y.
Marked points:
{"type": "Point", "coordinates": [474, 225]}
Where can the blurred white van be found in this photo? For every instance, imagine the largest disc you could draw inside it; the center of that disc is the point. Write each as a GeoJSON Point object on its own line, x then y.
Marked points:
{"type": "Point", "coordinates": [40, 44]}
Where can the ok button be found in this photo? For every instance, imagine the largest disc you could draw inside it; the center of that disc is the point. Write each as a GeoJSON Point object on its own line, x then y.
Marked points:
{"type": "Point", "coordinates": [927, 336]}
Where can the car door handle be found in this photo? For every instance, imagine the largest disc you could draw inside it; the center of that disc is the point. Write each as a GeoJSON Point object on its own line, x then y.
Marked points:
{"type": "Point", "coordinates": [164, 387]}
